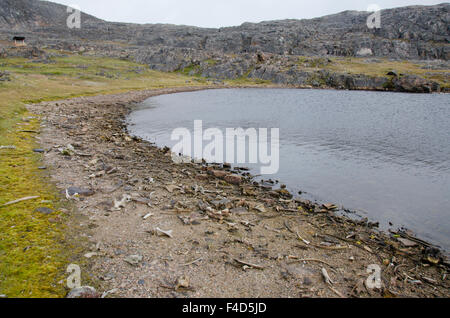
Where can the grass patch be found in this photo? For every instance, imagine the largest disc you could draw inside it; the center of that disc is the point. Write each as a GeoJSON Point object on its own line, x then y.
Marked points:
{"type": "Point", "coordinates": [376, 67]}
{"type": "Point", "coordinates": [191, 70]}
{"type": "Point", "coordinates": [383, 66]}
{"type": "Point", "coordinates": [31, 246]}
{"type": "Point", "coordinates": [211, 62]}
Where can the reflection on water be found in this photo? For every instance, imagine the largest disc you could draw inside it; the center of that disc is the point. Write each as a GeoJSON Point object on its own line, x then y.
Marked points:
{"type": "Point", "coordinates": [386, 155]}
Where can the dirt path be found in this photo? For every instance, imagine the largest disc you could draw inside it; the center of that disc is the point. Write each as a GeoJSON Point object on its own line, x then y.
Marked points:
{"type": "Point", "coordinates": [226, 240]}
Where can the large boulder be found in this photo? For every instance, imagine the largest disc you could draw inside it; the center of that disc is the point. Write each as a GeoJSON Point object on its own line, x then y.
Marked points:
{"type": "Point", "coordinates": [4, 76]}
{"type": "Point", "coordinates": [414, 84]}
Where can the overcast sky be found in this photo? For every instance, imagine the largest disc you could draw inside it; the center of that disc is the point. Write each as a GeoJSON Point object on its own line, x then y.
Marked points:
{"type": "Point", "coordinates": [219, 13]}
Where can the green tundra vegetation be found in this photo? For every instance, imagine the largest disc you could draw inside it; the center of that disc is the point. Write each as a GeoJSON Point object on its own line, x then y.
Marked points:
{"type": "Point", "coordinates": [382, 66]}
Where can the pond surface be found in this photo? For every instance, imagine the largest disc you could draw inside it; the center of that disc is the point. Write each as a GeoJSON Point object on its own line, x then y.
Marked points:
{"type": "Point", "coordinates": [384, 155]}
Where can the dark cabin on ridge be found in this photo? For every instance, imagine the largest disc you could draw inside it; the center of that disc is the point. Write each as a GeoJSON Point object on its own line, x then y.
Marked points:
{"type": "Point", "coordinates": [19, 40]}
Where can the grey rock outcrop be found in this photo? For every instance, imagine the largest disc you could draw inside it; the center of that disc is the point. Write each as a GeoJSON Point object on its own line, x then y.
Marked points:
{"type": "Point", "coordinates": [415, 32]}
{"type": "Point", "coordinates": [4, 76]}
{"type": "Point", "coordinates": [19, 15]}
{"type": "Point", "coordinates": [267, 51]}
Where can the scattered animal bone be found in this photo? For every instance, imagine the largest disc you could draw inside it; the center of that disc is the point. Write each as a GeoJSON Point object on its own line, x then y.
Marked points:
{"type": "Point", "coordinates": [172, 188]}
{"type": "Point", "coordinates": [90, 255]}
{"type": "Point", "coordinates": [109, 292]}
{"type": "Point", "coordinates": [145, 217]}
{"type": "Point", "coordinates": [97, 175]}
{"type": "Point", "coordinates": [160, 232]}
{"type": "Point", "coordinates": [271, 229]}
{"type": "Point", "coordinates": [198, 188]}
{"type": "Point", "coordinates": [7, 147]}
{"type": "Point", "coordinates": [302, 239]}
{"type": "Point", "coordinates": [121, 204]}
{"type": "Point", "coordinates": [260, 208]}
{"type": "Point", "coordinates": [71, 197]}
{"type": "Point", "coordinates": [183, 282]}
{"type": "Point", "coordinates": [193, 262]}
{"type": "Point", "coordinates": [326, 277]}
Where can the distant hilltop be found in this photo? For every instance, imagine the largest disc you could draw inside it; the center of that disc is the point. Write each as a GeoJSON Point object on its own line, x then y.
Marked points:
{"type": "Point", "coordinates": [415, 32]}
{"type": "Point", "coordinates": [338, 50]}
{"type": "Point", "coordinates": [20, 15]}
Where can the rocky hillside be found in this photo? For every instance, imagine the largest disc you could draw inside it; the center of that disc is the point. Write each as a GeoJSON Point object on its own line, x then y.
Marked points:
{"type": "Point", "coordinates": [409, 33]}
{"type": "Point", "coordinates": [19, 15]}
{"type": "Point", "coordinates": [272, 51]}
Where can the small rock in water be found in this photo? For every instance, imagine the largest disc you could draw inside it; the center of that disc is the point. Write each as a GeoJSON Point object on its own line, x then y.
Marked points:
{"type": "Point", "coordinates": [330, 206]}
{"type": "Point", "coordinates": [83, 292]}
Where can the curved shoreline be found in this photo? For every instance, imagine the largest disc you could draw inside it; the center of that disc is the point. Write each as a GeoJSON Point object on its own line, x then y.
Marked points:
{"type": "Point", "coordinates": [242, 222]}
{"type": "Point", "coordinates": [138, 128]}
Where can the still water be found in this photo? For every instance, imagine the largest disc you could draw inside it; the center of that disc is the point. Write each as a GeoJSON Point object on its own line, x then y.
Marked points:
{"type": "Point", "coordinates": [384, 155]}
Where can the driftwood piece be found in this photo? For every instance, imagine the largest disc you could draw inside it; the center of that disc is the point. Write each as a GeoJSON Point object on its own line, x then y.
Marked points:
{"type": "Point", "coordinates": [249, 264]}
{"type": "Point", "coordinates": [330, 247]}
{"type": "Point", "coordinates": [193, 262]}
{"type": "Point", "coordinates": [20, 200]}
{"type": "Point", "coordinates": [312, 260]}
{"type": "Point", "coordinates": [7, 147]}
{"type": "Point", "coordinates": [336, 292]}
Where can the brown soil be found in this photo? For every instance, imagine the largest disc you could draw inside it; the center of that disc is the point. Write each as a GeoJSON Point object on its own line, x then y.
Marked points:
{"type": "Point", "coordinates": [210, 247]}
